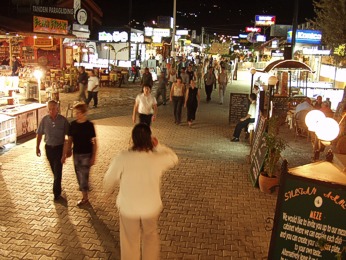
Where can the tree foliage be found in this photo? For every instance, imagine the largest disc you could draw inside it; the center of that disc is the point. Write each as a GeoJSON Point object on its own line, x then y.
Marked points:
{"type": "Point", "coordinates": [331, 20]}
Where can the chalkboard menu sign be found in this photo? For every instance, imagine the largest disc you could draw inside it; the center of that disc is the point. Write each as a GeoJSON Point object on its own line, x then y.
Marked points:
{"type": "Point", "coordinates": [310, 218]}
{"type": "Point", "coordinates": [258, 150]}
{"type": "Point", "coordinates": [238, 106]}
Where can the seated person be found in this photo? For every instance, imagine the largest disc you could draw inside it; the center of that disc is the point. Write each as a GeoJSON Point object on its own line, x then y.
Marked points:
{"type": "Point", "coordinates": [318, 102]}
{"type": "Point", "coordinates": [244, 122]}
{"type": "Point", "coordinates": [326, 109]}
{"type": "Point", "coordinates": [306, 105]}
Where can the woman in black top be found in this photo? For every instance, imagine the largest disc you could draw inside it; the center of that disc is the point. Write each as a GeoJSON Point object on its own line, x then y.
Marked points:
{"type": "Point", "coordinates": [83, 137]}
{"type": "Point", "coordinates": [191, 102]}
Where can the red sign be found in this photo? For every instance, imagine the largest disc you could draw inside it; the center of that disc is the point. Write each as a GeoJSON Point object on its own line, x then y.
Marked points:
{"type": "Point", "coordinates": [253, 29]}
{"type": "Point", "coordinates": [50, 25]}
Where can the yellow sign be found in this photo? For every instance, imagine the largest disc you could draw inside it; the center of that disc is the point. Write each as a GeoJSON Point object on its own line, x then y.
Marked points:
{"type": "Point", "coordinates": [50, 25]}
{"type": "Point", "coordinates": [43, 42]}
{"type": "Point", "coordinates": [219, 48]}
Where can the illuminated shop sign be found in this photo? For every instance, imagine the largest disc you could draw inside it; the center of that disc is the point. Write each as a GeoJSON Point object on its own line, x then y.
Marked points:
{"type": "Point", "coordinates": [182, 32]}
{"type": "Point", "coordinates": [306, 36]}
{"type": "Point", "coordinates": [242, 36]}
{"type": "Point", "coordinates": [50, 25]}
{"type": "Point", "coordinates": [307, 51]}
{"type": "Point", "coordinates": [252, 29]}
{"type": "Point", "coordinates": [162, 32]}
{"type": "Point", "coordinates": [277, 53]}
{"type": "Point", "coordinates": [117, 36]}
{"type": "Point", "coordinates": [265, 20]}
{"type": "Point", "coordinates": [148, 31]}
{"type": "Point", "coordinates": [260, 38]}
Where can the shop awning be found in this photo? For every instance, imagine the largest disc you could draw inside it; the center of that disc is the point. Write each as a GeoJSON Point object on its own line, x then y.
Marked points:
{"type": "Point", "coordinates": [286, 65]}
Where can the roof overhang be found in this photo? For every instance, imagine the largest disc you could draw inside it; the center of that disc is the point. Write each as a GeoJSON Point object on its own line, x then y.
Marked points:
{"type": "Point", "coordinates": [286, 65]}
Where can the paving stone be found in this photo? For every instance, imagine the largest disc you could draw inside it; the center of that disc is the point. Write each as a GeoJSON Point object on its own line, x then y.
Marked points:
{"type": "Point", "coordinates": [211, 209]}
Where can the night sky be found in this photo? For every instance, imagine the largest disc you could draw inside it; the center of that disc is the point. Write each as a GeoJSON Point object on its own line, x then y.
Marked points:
{"type": "Point", "coordinates": [220, 16]}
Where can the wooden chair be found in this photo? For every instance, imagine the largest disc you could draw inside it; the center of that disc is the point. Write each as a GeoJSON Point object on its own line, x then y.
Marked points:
{"type": "Point", "coordinates": [104, 80]}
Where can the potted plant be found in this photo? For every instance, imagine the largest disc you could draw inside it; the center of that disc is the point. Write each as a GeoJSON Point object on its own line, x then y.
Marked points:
{"type": "Point", "coordinates": [268, 180]}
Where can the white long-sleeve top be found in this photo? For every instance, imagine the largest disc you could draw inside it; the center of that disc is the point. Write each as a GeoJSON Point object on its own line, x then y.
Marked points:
{"type": "Point", "coordinates": [139, 175]}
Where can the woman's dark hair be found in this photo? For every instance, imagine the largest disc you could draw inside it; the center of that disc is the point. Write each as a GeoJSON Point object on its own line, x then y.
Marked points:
{"type": "Point", "coordinates": [253, 96]}
{"type": "Point", "coordinates": [141, 137]}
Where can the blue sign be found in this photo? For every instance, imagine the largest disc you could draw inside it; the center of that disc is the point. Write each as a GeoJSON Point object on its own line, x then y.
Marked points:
{"type": "Point", "coordinates": [306, 36]}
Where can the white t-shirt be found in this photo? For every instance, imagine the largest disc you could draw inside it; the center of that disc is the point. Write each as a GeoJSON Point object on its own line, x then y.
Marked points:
{"type": "Point", "coordinates": [145, 104]}
{"type": "Point", "coordinates": [252, 110]}
{"type": "Point", "coordinates": [92, 82]}
{"type": "Point", "coordinates": [139, 175]}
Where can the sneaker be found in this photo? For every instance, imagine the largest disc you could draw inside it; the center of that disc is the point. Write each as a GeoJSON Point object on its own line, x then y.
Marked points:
{"type": "Point", "coordinates": [235, 139]}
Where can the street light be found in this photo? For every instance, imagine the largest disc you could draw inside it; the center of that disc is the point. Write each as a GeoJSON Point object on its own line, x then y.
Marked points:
{"type": "Point", "coordinates": [272, 80]}
{"type": "Point", "coordinates": [106, 47]}
{"type": "Point", "coordinates": [252, 71]}
{"type": "Point", "coordinates": [38, 75]}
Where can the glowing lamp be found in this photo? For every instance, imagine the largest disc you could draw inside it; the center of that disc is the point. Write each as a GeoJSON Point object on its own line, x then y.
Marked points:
{"type": "Point", "coordinates": [38, 74]}
{"type": "Point", "coordinates": [312, 118]}
{"type": "Point", "coordinates": [252, 71]}
{"type": "Point", "coordinates": [327, 129]}
{"type": "Point", "coordinates": [272, 80]}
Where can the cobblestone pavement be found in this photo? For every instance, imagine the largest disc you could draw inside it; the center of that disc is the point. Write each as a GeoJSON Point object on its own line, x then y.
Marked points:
{"type": "Point", "coordinates": [211, 209]}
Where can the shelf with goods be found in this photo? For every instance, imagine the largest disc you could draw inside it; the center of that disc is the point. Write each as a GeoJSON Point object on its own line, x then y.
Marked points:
{"type": "Point", "coordinates": [4, 52]}
{"type": "Point", "coordinates": [7, 130]}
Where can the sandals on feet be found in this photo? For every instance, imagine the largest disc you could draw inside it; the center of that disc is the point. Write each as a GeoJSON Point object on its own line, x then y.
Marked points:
{"type": "Point", "coordinates": [82, 202]}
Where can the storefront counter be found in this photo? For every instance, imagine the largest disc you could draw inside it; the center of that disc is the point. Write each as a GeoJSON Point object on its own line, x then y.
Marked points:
{"type": "Point", "coordinates": [27, 117]}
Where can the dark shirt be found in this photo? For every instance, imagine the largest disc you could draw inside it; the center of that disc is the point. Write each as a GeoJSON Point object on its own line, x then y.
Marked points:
{"type": "Point", "coordinates": [147, 79]}
{"type": "Point", "coordinates": [82, 134]}
{"type": "Point", "coordinates": [16, 66]}
{"type": "Point", "coordinates": [83, 78]}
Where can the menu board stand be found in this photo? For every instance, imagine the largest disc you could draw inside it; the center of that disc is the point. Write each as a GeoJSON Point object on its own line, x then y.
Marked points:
{"type": "Point", "coordinates": [310, 214]}
{"type": "Point", "coordinates": [258, 150]}
{"type": "Point", "coordinates": [238, 107]}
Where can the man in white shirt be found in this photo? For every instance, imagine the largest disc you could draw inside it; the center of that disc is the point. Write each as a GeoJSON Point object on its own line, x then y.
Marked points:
{"type": "Point", "coordinates": [244, 122]}
{"type": "Point", "coordinates": [306, 105]}
{"type": "Point", "coordinates": [93, 88]}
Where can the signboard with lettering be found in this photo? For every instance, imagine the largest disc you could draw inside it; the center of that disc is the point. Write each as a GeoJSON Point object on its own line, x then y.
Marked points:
{"type": "Point", "coordinates": [265, 20]}
{"type": "Point", "coordinates": [306, 36]}
{"type": "Point", "coordinates": [238, 107]}
{"type": "Point", "coordinates": [50, 25]}
{"type": "Point", "coordinates": [310, 215]}
{"type": "Point", "coordinates": [258, 150]}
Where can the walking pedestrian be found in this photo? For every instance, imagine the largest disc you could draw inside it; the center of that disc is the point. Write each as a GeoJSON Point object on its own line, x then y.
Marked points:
{"type": "Point", "coordinates": [147, 79]}
{"type": "Point", "coordinates": [145, 106]}
{"type": "Point", "coordinates": [209, 80]}
{"type": "Point", "coordinates": [177, 97]}
{"type": "Point", "coordinates": [55, 128]}
{"type": "Point", "coordinates": [199, 75]}
{"type": "Point", "coordinates": [172, 77]}
{"type": "Point", "coordinates": [192, 99]}
{"type": "Point", "coordinates": [138, 172]}
{"type": "Point", "coordinates": [161, 88]}
{"type": "Point", "coordinates": [223, 80]}
{"type": "Point", "coordinates": [82, 84]}
{"type": "Point", "coordinates": [184, 76]}
{"type": "Point", "coordinates": [93, 88]}
{"type": "Point", "coordinates": [82, 138]}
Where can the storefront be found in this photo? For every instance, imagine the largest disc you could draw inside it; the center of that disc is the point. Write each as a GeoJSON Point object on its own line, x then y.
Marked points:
{"type": "Point", "coordinates": [120, 48]}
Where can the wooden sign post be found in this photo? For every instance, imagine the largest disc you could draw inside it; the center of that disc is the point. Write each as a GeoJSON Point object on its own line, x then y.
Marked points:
{"type": "Point", "coordinates": [238, 107]}
{"type": "Point", "coordinates": [258, 150]}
